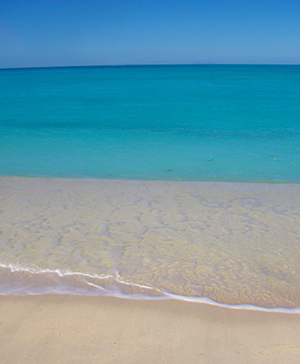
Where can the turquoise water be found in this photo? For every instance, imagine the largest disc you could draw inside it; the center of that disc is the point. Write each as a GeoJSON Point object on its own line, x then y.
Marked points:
{"type": "Point", "coordinates": [198, 235]}
{"type": "Point", "coordinates": [223, 123]}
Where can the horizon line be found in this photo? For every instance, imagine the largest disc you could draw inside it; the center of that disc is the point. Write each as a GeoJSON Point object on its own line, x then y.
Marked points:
{"type": "Point", "coordinates": [154, 64]}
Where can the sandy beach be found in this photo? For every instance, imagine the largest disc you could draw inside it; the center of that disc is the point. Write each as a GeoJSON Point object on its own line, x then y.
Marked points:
{"type": "Point", "coordinates": [235, 243]}
{"type": "Point", "coordinates": [87, 329]}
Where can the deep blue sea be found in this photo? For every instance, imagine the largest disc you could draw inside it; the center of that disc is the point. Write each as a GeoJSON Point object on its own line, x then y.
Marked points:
{"type": "Point", "coordinates": [185, 122]}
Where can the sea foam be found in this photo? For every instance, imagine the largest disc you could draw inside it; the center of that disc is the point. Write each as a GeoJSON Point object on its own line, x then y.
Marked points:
{"type": "Point", "coordinates": [233, 243]}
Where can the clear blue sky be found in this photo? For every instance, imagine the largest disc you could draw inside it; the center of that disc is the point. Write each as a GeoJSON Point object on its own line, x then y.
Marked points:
{"type": "Point", "coordinates": [108, 32]}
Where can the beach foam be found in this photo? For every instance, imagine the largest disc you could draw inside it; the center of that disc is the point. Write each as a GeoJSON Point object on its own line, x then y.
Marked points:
{"type": "Point", "coordinates": [19, 281]}
{"type": "Point", "coordinates": [232, 243]}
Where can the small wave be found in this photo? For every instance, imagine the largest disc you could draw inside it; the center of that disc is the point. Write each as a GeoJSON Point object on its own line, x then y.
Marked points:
{"type": "Point", "coordinates": [33, 280]}
{"type": "Point", "coordinates": [17, 280]}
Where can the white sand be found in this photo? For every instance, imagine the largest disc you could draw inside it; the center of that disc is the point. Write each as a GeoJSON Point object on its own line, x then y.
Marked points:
{"type": "Point", "coordinates": [84, 329]}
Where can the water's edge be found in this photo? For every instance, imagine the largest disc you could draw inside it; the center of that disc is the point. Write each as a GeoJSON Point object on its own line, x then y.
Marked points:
{"type": "Point", "coordinates": [138, 229]}
{"type": "Point", "coordinates": [67, 283]}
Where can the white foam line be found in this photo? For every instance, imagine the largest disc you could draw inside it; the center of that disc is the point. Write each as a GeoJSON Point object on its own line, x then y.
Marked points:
{"type": "Point", "coordinates": [15, 268]}
{"type": "Point", "coordinates": [98, 287]}
{"type": "Point", "coordinates": [164, 295]}
{"type": "Point", "coordinates": [243, 306]}
{"type": "Point", "coordinates": [120, 280]}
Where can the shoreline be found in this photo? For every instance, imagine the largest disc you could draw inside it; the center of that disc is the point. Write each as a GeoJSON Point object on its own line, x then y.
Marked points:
{"type": "Point", "coordinates": [71, 329]}
{"type": "Point", "coordinates": [158, 181]}
{"type": "Point", "coordinates": [72, 290]}
{"type": "Point", "coordinates": [225, 241]}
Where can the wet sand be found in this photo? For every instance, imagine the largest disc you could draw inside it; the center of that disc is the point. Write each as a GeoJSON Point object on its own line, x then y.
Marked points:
{"type": "Point", "coordinates": [86, 329]}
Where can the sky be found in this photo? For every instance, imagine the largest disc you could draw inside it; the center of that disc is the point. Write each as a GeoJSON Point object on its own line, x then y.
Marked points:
{"type": "Point", "coordinates": [114, 32]}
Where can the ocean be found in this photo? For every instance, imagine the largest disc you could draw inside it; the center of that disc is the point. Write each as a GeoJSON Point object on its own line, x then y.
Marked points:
{"type": "Point", "coordinates": [152, 181]}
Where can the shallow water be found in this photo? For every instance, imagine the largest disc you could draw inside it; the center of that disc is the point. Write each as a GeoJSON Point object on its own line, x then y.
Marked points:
{"type": "Point", "coordinates": [235, 243]}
